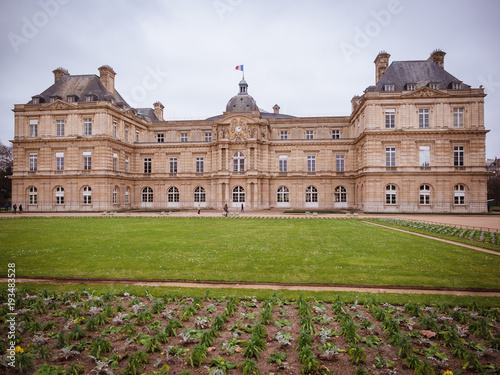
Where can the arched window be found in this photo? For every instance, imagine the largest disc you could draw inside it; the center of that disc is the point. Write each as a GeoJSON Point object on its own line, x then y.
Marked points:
{"type": "Point", "coordinates": [425, 194]}
{"type": "Point", "coordinates": [59, 195]}
{"type": "Point", "coordinates": [238, 194]}
{"type": "Point", "coordinates": [199, 194]}
{"type": "Point", "coordinates": [115, 195]}
{"type": "Point", "coordinates": [340, 194]}
{"type": "Point", "coordinates": [239, 162]}
{"type": "Point", "coordinates": [390, 194]}
{"type": "Point", "coordinates": [32, 195]}
{"type": "Point", "coordinates": [283, 195]}
{"type": "Point", "coordinates": [172, 194]}
{"type": "Point", "coordinates": [127, 195]}
{"type": "Point", "coordinates": [87, 195]}
{"type": "Point", "coordinates": [147, 195]}
{"type": "Point", "coordinates": [311, 194]}
{"type": "Point", "coordinates": [459, 194]}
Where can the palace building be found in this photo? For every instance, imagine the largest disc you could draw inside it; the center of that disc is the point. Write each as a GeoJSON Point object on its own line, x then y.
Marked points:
{"type": "Point", "coordinates": [414, 142]}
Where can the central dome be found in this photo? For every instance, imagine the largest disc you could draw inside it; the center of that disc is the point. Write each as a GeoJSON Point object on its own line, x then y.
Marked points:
{"type": "Point", "coordinates": [242, 102]}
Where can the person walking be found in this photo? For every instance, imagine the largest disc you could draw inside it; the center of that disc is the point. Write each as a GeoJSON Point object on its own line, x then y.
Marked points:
{"type": "Point", "coordinates": [242, 207]}
{"type": "Point", "coordinates": [199, 209]}
{"type": "Point", "coordinates": [225, 209]}
{"type": "Point", "coordinates": [14, 207]}
{"type": "Point", "coordinates": [20, 209]}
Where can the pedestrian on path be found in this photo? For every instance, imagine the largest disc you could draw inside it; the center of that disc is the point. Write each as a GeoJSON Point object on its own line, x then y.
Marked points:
{"type": "Point", "coordinates": [242, 207]}
{"type": "Point", "coordinates": [225, 209]}
{"type": "Point", "coordinates": [199, 209]}
{"type": "Point", "coordinates": [20, 209]}
{"type": "Point", "coordinates": [14, 207]}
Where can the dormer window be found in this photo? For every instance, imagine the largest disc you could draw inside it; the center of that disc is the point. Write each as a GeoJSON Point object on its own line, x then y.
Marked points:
{"type": "Point", "coordinates": [90, 98]}
{"type": "Point", "coordinates": [456, 85]}
{"type": "Point", "coordinates": [389, 87]}
{"type": "Point", "coordinates": [53, 98]}
{"type": "Point", "coordinates": [411, 86]}
{"type": "Point", "coordinates": [72, 98]}
{"type": "Point", "coordinates": [36, 100]}
{"type": "Point", "coordinates": [434, 86]}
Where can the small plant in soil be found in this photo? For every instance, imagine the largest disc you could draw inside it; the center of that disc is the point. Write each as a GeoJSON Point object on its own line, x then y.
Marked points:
{"type": "Point", "coordinates": [284, 338]}
{"type": "Point", "coordinates": [197, 356]}
{"type": "Point", "coordinates": [249, 367]}
{"type": "Point", "coordinates": [135, 362]}
{"type": "Point", "coordinates": [277, 358]}
{"type": "Point", "coordinates": [49, 370]}
{"type": "Point", "coordinates": [221, 364]}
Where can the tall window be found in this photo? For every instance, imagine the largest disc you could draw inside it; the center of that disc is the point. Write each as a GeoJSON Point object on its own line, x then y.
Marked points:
{"type": "Point", "coordinates": [59, 161]}
{"type": "Point", "coordinates": [423, 118]}
{"type": "Point", "coordinates": [147, 165]}
{"type": "Point", "coordinates": [208, 136]}
{"type": "Point", "coordinates": [200, 161]}
{"type": "Point", "coordinates": [127, 195]}
{"type": "Point", "coordinates": [172, 194]}
{"type": "Point", "coordinates": [59, 195]}
{"type": "Point", "coordinates": [390, 194]}
{"type": "Point", "coordinates": [137, 136]}
{"type": "Point", "coordinates": [390, 156]}
{"type": "Point", "coordinates": [184, 137]}
{"type": "Point", "coordinates": [458, 156]}
{"type": "Point", "coordinates": [87, 126]}
{"type": "Point", "coordinates": [115, 129]}
{"type": "Point", "coordinates": [238, 194]}
{"type": "Point", "coordinates": [160, 138]}
{"type": "Point", "coordinates": [340, 163]}
{"type": "Point", "coordinates": [283, 195]}
{"type": "Point", "coordinates": [115, 195]}
{"type": "Point", "coordinates": [33, 128]}
{"type": "Point", "coordinates": [283, 163]}
{"type": "Point", "coordinates": [33, 161]}
{"type": "Point", "coordinates": [173, 165]}
{"type": "Point", "coordinates": [311, 163]}
{"type": "Point", "coordinates": [459, 194]}
{"type": "Point", "coordinates": [390, 118]}
{"type": "Point", "coordinates": [115, 161]}
{"type": "Point", "coordinates": [147, 195]}
{"type": "Point", "coordinates": [199, 194]}
{"type": "Point", "coordinates": [87, 195]}
{"type": "Point", "coordinates": [126, 133]}
{"type": "Point", "coordinates": [60, 128]}
{"type": "Point", "coordinates": [311, 194]}
{"type": "Point", "coordinates": [32, 195]}
{"type": "Point", "coordinates": [425, 194]}
{"type": "Point", "coordinates": [335, 134]}
{"type": "Point", "coordinates": [424, 156]}
{"type": "Point", "coordinates": [238, 162]}
{"type": "Point", "coordinates": [127, 166]}
{"type": "Point", "coordinates": [458, 117]}
{"type": "Point", "coordinates": [340, 194]}
{"type": "Point", "coordinates": [309, 134]}
{"type": "Point", "coordinates": [284, 134]}
{"type": "Point", "coordinates": [87, 160]}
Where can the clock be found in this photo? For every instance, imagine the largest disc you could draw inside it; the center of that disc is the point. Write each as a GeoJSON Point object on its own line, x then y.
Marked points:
{"type": "Point", "coordinates": [238, 129]}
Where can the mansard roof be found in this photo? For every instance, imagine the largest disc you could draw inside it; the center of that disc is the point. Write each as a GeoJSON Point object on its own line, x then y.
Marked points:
{"type": "Point", "coordinates": [421, 73]}
{"type": "Point", "coordinates": [147, 114]}
{"type": "Point", "coordinates": [81, 86]}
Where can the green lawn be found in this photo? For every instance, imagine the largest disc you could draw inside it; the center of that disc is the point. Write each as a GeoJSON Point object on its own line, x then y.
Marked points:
{"type": "Point", "coordinates": [278, 250]}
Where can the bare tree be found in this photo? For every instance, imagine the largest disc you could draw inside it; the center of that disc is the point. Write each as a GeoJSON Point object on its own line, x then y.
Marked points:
{"type": "Point", "coordinates": [6, 165]}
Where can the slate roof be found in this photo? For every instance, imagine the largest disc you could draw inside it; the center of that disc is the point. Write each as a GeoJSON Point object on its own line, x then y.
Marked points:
{"type": "Point", "coordinates": [421, 73]}
{"type": "Point", "coordinates": [147, 114]}
{"type": "Point", "coordinates": [264, 114]}
{"type": "Point", "coordinates": [81, 86]}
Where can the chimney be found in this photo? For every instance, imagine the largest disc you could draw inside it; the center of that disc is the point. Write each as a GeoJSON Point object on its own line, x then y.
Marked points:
{"type": "Point", "coordinates": [276, 109]}
{"type": "Point", "coordinates": [437, 56]}
{"type": "Point", "coordinates": [59, 73]}
{"type": "Point", "coordinates": [108, 78]}
{"type": "Point", "coordinates": [158, 109]}
{"type": "Point", "coordinates": [381, 65]}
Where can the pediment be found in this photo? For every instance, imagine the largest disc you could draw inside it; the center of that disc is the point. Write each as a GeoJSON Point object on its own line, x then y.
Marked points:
{"type": "Point", "coordinates": [59, 104]}
{"type": "Point", "coordinates": [425, 92]}
{"type": "Point", "coordinates": [128, 112]}
{"type": "Point", "coordinates": [238, 118]}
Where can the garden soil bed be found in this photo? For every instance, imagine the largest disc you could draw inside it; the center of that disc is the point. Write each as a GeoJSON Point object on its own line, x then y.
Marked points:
{"type": "Point", "coordinates": [134, 325]}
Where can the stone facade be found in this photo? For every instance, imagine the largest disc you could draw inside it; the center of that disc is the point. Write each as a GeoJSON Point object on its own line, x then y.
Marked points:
{"type": "Point", "coordinates": [414, 142]}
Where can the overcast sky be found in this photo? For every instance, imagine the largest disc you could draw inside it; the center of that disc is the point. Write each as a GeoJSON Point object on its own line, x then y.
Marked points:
{"type": "Point", "coordinates": [309, 57]}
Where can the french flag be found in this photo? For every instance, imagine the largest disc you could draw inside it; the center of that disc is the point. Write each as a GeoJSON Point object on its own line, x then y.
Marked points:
{"type": "Point", "coordinates": [239, 67]}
